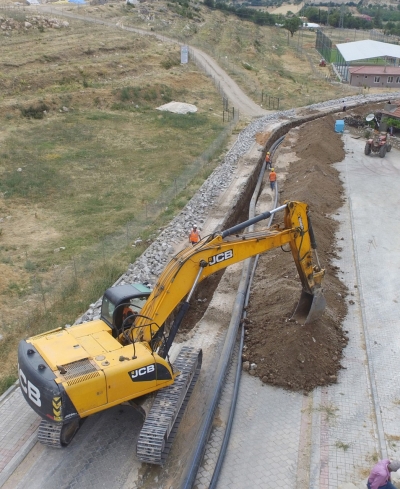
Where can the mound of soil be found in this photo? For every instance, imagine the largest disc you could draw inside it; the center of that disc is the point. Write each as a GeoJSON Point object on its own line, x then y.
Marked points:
{"type": "Point", "coordinates": [287, 354]}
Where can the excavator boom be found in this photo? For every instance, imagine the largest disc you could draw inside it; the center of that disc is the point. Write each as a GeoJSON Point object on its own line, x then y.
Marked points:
{"type": "Point", "coordinates": [194, 264]}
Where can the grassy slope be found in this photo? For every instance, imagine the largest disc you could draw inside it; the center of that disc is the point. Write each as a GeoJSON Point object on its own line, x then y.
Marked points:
{"type": "Point", "coordinates": [94, 167]}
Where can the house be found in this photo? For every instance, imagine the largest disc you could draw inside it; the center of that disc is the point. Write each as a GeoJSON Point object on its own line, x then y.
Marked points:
{"type": "Point", "coordinates": [374, 56]}
{"type": "Point", "coordinates": [375, 76]}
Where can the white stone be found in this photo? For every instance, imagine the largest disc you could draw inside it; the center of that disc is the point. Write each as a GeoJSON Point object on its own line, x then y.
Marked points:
{"type": "Point", "coordinates": [178, 108]}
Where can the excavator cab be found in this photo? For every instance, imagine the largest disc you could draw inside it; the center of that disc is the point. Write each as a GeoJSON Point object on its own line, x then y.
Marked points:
{"type": "Point", "coordinates": [123, 301]}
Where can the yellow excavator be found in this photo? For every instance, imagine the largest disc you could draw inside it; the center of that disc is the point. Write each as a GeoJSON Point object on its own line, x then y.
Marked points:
{"type": "Point", "coordinates": [67, 374]}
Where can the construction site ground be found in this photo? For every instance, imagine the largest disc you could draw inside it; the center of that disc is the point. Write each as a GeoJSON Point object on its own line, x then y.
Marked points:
{"type": "Point", "coordinates": [318, 424]}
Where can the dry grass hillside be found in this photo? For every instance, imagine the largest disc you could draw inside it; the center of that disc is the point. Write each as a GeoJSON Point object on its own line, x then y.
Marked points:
{"type": "Point", "coordinates": [87, 165]}
{"type": "Point", "coordinates": [262, 59]}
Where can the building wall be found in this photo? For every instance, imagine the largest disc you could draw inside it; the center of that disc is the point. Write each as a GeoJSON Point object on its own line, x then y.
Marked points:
{"type": "Point", "coordinates": [385, 81]}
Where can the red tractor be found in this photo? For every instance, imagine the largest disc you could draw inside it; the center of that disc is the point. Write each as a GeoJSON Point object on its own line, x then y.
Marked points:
{"type": "Point", "coordinates": [378, 144]}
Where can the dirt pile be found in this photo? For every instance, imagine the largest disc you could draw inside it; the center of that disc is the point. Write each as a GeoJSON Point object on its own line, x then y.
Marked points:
{"type": "Point", "coordinates": [287, 354]}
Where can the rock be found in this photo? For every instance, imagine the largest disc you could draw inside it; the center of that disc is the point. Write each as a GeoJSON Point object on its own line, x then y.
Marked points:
{"type": "Point", "coordinates": [246, 366]}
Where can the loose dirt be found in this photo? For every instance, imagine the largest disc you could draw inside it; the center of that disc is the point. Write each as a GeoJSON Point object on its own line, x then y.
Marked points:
{"type": "Point", "coordinates": [287, 354]}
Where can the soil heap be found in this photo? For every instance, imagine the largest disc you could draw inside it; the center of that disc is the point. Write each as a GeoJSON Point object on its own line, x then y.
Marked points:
{"type": "Point", "coordinates": [287, 354]}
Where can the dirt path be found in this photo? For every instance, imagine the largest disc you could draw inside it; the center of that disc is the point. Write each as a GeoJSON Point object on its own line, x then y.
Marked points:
{"type": "Point", "coordinates": [224, 82]}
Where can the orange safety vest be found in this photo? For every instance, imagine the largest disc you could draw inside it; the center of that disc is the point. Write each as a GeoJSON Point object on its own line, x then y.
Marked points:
{"type": "Point", "coordinates": [194, 236]}
{"type": "Point", "coordinates": [267, 159]}
{"type": "Point", "coordinates": [272, 177]}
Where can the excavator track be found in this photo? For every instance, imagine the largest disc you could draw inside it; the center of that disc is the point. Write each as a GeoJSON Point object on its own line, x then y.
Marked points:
{"type": "Point", "coordinates": [57, 435]}
{"type": "Point", "coordinates": [49, 434]}
{"type": "Point", "coordinates": [161, 425]}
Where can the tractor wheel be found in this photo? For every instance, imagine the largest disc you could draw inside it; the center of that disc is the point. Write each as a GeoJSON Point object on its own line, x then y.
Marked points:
{"type": "Point", "coordinates": [367, 149]}
{"type": "Point", "coordinates": [382, 151]}
{"type": "Point", "coordinates": [388, 148]}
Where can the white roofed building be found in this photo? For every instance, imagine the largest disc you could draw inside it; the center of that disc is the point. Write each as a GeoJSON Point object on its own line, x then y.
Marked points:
{"type": "Point", "coordinates": [368, 59]}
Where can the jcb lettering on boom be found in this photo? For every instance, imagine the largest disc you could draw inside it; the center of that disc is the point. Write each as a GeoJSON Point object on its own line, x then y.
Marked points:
{"type": "Point", "coordinates": [225, 255]}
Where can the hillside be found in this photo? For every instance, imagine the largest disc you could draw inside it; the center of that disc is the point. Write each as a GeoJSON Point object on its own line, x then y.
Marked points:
{"type": "Point", "coordinates": [90, 171]}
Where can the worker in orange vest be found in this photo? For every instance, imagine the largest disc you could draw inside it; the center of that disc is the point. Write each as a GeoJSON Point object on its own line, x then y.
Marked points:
{"type": "Point", "coordinates": [268, 161]}
{"type": "Point", "coordinates": [272, 178]}
{"type": "Point", "coordinates": [194, 236]}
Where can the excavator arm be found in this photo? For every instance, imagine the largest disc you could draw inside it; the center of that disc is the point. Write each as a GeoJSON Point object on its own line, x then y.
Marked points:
{"type": "Point", "coordinates": [218, 251]}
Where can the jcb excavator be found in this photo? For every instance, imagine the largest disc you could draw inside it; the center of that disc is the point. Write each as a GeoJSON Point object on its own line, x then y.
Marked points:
{"type": "Point", "coordinates": [70, 373]}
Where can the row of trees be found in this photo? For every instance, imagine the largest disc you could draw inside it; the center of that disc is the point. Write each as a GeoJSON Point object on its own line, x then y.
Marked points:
{"type": "Point", "coordinates": [392, 28]}
{"type": "Point", "coordinates": [256, 16]}
{"type": "Point", "coordinates": [292, 24]}
{"type": "Point", "coordinates": [332, 17]}
{"type": "Point", "coordinates": [383, 12]}
{"type": "Point", "coordinates": [314, 14]}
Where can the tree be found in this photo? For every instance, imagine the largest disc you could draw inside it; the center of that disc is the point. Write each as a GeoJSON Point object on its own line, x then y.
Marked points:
{"type": "Point", "coordinates": [292, 25]}
{"type": "Point", "coordinates": [378, 18]}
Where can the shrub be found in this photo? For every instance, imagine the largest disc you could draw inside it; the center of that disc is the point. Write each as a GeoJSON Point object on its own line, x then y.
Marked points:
{"type": "Point", "coordinates": [169, 62]}
{"type": "Point", "coordinates": [34, 111]}
{"type": "Point", "coordinates": [393, 122]}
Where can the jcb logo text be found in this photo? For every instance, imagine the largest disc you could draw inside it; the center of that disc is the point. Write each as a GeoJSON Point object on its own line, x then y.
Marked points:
{"type": "Point", "coordinates": [142, 371]}
{"type": "Point", "coordinates": [30, 390]}
{"type": "Point", "coordinates": [225, 255]}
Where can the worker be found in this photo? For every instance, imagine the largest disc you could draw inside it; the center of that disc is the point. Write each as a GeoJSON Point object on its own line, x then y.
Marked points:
{"type": "Point", "coordinates": [268, 161]}
{"type": "Point", "coordinates": [380, 474]}
{"type": "Point", "coordinates": [194, 236]}
{"type": "Point", "coordinates": [272, 178]}
{"type": "Point", "coordinates": [126, 312]}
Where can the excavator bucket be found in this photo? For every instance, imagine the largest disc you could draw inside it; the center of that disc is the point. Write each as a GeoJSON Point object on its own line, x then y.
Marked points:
{"type": "Point", "coordinates": [310, 307]}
